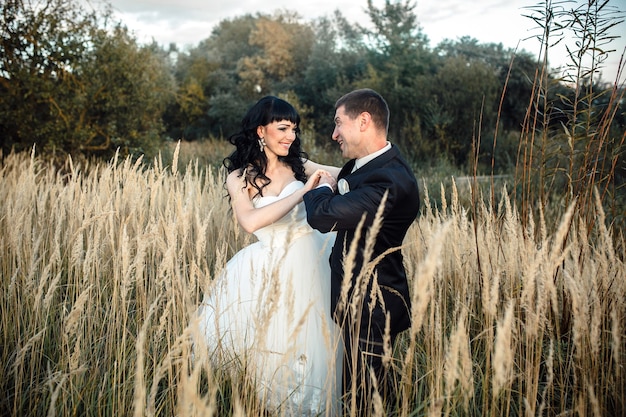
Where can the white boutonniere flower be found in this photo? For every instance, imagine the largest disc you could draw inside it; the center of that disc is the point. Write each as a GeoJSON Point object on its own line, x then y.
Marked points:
{"type": "Point", "coordinates": [343, 186]}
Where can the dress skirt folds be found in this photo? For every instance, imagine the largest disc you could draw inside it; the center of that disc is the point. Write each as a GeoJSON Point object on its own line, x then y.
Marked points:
{"type": "Point", "coordinates": [270, 310]}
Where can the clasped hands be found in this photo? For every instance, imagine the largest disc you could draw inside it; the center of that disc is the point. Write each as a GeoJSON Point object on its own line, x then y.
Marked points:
{"type": "Point", "coordinates": [322, 177]}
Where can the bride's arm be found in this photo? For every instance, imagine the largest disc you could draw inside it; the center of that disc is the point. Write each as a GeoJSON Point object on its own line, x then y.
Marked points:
{"type": "Point", "coordinates": [252, 218]}
{"type": "Point", "coordinates": [310, 167]}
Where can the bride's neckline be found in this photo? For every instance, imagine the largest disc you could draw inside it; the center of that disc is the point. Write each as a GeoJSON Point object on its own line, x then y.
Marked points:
{"type": "Point", "coordinates": [285, 188]}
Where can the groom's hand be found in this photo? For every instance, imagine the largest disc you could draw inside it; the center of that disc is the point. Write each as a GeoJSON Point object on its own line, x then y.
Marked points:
{"type": "Point", "coordinates": [318, 178]}
{"type": "Point", "coordinates": [328, 180]}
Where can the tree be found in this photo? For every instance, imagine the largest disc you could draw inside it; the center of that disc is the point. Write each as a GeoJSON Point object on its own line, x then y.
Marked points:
{"type": "Point", "coordinates": [514, 70]}
{"type": "Point", "coordinates": [125, 88]}
{"type": "Point", "coordinates": [209, 99]}
{"type": "Point", "coordinates": [243, 59]}
{"type": "Point", "coordinates": [70, 84]}
{"type": "Point", "coordinates": [338, 59]}
{"type": "Point", "coordinates": [467, 92]}
{"type": "Point", "coordinates": [399, 64]}
{"type": "Point", "coordinates": [282, 54]}
{"type": "Point", "coordinates": [39, 42]}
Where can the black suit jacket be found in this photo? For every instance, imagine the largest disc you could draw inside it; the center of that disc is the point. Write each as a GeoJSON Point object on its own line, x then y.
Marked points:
{"type": "Point", "coordinates": [328, 211]}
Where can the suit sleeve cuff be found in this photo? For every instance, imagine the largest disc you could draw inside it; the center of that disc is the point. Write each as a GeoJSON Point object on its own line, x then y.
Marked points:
{"type": "Point", "coordinates": [325, 185]}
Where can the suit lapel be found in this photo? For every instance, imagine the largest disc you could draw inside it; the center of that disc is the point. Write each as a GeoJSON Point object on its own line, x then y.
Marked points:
{"type": "Point", "coordinates": [375, 163]}
{"type": "Point", "coordinates": [382, 159]}
{"type": "Point", "coordinates": [371, 165]}
{"type": "Point", "coordinates": [347, 169]}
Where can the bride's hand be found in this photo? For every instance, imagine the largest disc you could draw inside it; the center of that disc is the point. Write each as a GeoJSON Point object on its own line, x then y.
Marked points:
{"type": "Point", "coordinates": [313, 180]}
{"type": "Point", "coordinates": [320, 177]}
{"type": "Point", "coordinates": [328, 178]}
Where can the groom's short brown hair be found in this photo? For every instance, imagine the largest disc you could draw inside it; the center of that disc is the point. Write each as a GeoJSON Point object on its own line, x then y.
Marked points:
{"type": "Point", "coordinates": [366, 100]}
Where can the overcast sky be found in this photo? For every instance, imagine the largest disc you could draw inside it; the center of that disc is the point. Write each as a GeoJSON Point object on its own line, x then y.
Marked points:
{"type": "Point", "coordinates": [186, 22]}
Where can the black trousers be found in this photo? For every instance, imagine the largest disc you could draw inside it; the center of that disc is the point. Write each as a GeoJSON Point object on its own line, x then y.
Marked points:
{"type": "Point", "coordinates": [364, 372]}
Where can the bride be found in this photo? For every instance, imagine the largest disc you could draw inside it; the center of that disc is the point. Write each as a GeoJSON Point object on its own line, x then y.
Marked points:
{"type": "Point", "coordinates": [270, 307]}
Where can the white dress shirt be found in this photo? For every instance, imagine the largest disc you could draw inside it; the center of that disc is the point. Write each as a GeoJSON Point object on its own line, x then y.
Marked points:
{"type": "Point", "coordinates": [362, 161]}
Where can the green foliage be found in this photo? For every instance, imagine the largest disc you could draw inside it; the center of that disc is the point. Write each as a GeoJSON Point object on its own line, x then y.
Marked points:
{"type": "Point", "coordinates": [69, 84]}
{"type": "Point", "coordinates": [38, 47]}
{"type": "Point", "coordinates": [206, 74]}
{"type": "Point", "coordinates": [400, 63]}
{"type": "Point", "coordinates": [125, 91]}
{"type": "Point", "coordinates": [572, 143]}
{"type": "Point", "coordinates": [336, 62]}
{"type": "Point", "coordinates": [465, 97]}
{"type": "Point", "coordinates": [244, 59]}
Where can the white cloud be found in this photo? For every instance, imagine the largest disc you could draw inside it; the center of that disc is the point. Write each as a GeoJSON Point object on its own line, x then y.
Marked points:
{"type": "Point", "coordinates": [187, 22]}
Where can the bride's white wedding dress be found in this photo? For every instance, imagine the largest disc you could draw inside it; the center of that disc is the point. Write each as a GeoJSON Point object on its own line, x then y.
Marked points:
{"type": "Point", "coordinates": [269, 311]}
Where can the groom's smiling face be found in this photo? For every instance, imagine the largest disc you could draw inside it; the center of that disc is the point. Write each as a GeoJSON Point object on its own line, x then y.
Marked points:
{"type": "Point", "coordinates": [347, 134]}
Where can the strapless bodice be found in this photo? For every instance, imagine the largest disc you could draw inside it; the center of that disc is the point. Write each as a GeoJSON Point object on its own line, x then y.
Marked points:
{"type": "Point", "coordinates": [290, 226]}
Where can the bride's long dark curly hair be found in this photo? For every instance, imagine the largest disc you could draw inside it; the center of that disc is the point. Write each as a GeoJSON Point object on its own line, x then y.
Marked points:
{"type": "Point", "coordinates": [248, 155]}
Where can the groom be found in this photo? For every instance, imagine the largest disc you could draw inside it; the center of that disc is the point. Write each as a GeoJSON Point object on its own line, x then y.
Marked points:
{"type": "Point", "coordinates": [375, 174]}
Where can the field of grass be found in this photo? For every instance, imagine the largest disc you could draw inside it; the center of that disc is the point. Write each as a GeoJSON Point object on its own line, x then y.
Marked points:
{"type": "Point", "coordinates": [103, 266]}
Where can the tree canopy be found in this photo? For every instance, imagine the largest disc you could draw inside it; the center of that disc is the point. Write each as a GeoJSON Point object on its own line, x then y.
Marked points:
{"type": "Point", "coordinates": [72, 83]}
{"type": "Point", "coordinates": [73, 80]}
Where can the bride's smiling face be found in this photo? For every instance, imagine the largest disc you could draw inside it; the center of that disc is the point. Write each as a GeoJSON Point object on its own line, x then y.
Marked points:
{"type": "Point", "coordinates": [278, 136]}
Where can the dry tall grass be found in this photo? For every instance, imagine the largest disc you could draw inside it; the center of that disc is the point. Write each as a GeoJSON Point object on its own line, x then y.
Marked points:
{"type": "Point", "coordinates": [102, 267]}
